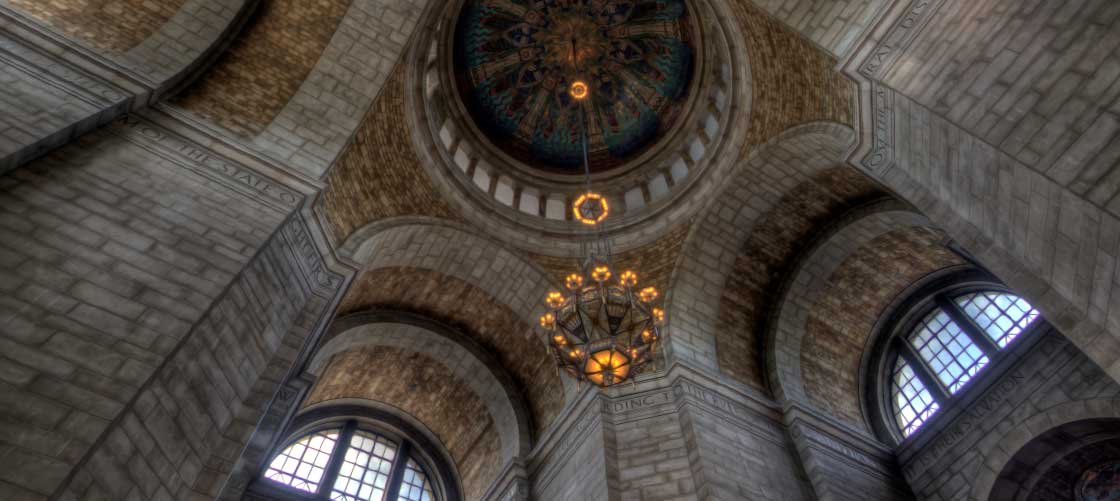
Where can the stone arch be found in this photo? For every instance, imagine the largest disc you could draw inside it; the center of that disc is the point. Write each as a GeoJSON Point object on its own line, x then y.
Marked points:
{"type": "Point", "coordinates": [492, 291]}
{"type": "Point", "coordinates": [68, 82]}
{"type": "Point", "coordinates": [391, 417]}
{"type": "Point", "coordinates": [443, 344]}
{"type": "Point", "coordinates": [807, 285]}
{"type": "Point", "coordinates": [995, 457]}
{"type": "Point", "coordinates": [324, 94]}
{"type": "Point", "coordinates": [159, 47]}
{"type": "Point", "coordinates": [723, 227]}
{"type": "Point", "coordinates": [768, 255]}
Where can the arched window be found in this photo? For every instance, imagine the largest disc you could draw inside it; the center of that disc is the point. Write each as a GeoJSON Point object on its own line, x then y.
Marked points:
{"type": "Point", "coordinates": [942, 340]}
{"type": "Point", "coordinates": [350, 461]}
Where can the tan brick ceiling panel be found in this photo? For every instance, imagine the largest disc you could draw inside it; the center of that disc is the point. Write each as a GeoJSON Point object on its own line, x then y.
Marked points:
{"type": "Point", "coordinates": [379, 175]}
{"type": "Point", "coordinates": [110, 25]}
{"type": "Point", "coordinates": [857, 293]}
{"type": "Point", "coordinates": [776, 241]}
{"type": "Point", "coordinates": [428, 391]}
{"type": "Point", "coordinates": [265, 65]}
{"type": "Point", "coordinates": [469, 309]}
{"type": "Point", "coordinates": [794, 82]}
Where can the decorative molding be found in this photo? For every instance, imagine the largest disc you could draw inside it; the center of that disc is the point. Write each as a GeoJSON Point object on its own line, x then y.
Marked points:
{"type": "Point", "coordinates": [881, 156]}
{"type": "Point", "coordinates": [884, 54]}
{"type": "Point", "coordinates": [626, 406]}
{"type": "Point", "coordinates": [57, 73]}
{"type": "Point", "coordinates": [321, 280]}
{"type": "Point", "coordinates": [835, 446]}
{"type": "Point", "coordinates": [35, 33]}
{"type": "Point", "coordinates": [512, 484]}
{"type": "Point", "coordinates": [519, 491]}
{"type": "Point", "coordinates": [966, 423]}
{"type": "Point", "coordinates": [264, 437]}
{"type": "Point", "coordinates": [155, 138]}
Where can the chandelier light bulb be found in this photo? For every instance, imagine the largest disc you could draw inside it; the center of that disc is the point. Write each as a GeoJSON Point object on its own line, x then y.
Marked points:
{"type": "Point", "coordinates": [574, 281]}
{"type": "Point", "coordinates": [648, 294]}
{"type": "Point", "coordinates": [579, 90]}
{"type": "Point", "coordinates": [628, 278]}
{"type": "Point", "coordinates": [601, 274]}
{"type": "Point", "coordinates": [590, 208]}
{"type": "Point", "coordinates": [554, 300]}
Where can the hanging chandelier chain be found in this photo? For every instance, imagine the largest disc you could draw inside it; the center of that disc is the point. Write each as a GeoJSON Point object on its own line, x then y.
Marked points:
{"type": "Point", "coordinates": [604, 330]}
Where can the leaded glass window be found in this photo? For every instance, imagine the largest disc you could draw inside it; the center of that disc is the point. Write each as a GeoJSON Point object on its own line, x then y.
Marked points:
{"type": "Point", "coordinates": [1003, 316]}
{"type": "Point", "coordinates": [365, 468]}
{"type": "Point", "coordinates": [302, 464]}
{"type": "Point", "coordinates": [913, 403]}
{"type": "Point", "coordinates": [948, 350]}
{"type": "Point", "coordinates": [954, 340]}
{"type": "Point", "coordinates": [349, 463]}
{"type": "Point", "coordinates": [415, 485]}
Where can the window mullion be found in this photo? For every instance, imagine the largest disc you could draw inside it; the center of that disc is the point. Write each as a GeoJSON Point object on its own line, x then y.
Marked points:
{"type": "Point", "coordinates": [973, 331]}
{"type": "Point", "coordinates": [335, 463]}
{"type": "Point", "coordinates": [929, 379]}
{"type": "Point", "coordinates": [396, 474]}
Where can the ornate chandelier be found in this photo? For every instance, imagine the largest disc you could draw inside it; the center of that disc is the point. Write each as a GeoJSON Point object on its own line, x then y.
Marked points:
{"type": "Point", "coordinates": [603, 327]}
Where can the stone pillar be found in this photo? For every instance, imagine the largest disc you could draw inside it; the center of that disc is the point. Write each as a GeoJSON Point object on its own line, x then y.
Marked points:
{"type": "Point", "coordinates": [843, 464]}
{"type": "Point", "coordinates": [674, 435]}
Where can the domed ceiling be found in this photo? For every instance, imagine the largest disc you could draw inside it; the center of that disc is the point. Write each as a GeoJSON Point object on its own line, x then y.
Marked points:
{"type": "Point", "coordinates": [515, 60]}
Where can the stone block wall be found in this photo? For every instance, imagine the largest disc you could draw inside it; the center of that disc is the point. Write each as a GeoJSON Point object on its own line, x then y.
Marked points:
{"type": "Point", "coordinates": [315, 126]}
{"type": "Point", "coordinates": [949, 462]}
{"type": "Point", "coordinates": [1042, 239]}
{"type": "Point", "coordinates": [47, 101]}
{"type": "Point", "coordinates": [997, 122]}
{"type": "Point", "coordinates": [136, 292]}
{"type": "Point", "coordinates": [738, 449]}
{"type": "Point", "coordinates": [273, 54]}
{"type": "Point", "coordinates": [1038, 80]}
{"type": "Point", "coordinates": [60, 84]}
{"type": "Point", "coordinates": [573, 459]}
{"type": "Point", "coordinates": [183, 432]}
{"type": "Point", "coordinates": [834, 25]}
{"type": "Point", "coordinates": [841, 463]}
{"type": "Point", "coordinates": [115, 26]}
{"type": "Point", "coordinates": [675, 436]}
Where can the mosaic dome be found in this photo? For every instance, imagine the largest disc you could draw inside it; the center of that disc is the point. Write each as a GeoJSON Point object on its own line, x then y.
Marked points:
{"type": "Point", "coordinates": [1100, 483]}
{"type": "Point", "coordinates": [515, 60]}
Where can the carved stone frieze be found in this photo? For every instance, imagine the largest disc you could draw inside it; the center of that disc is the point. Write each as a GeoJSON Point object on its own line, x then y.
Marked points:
{"type": "Point", "coordinates": [58, 74]}
{"type": "Point", "coordinates": [881, 156]}
{"type": "Point", "coordinates": [898, 38]}
{"type": "Point", "coordinates": [191, 155]}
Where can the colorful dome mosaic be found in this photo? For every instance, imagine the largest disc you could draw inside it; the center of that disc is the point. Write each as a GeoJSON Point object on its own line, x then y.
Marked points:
{"type": "Point", "coordinates": [516, 59]}
{"type": "Point", "coordinates": [1100, 483]}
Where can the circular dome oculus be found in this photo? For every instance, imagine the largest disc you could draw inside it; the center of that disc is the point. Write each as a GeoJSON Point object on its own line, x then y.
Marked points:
{"type": "Point", "coordinates": [515, 62]}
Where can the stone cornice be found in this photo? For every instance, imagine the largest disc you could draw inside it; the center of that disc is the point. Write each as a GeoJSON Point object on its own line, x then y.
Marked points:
{"type": "Point", "coordinates": [64, 50]}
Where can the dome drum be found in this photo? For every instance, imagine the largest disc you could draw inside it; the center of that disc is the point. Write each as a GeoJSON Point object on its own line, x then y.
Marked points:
{"type": "Point", "coordinates": [639, 182]}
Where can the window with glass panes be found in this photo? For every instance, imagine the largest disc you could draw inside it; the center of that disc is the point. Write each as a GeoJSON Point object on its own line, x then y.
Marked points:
{"type": "Point", "coordinates": [347, 462]}
{"type": "Point", "coordinates": [949, 346]}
